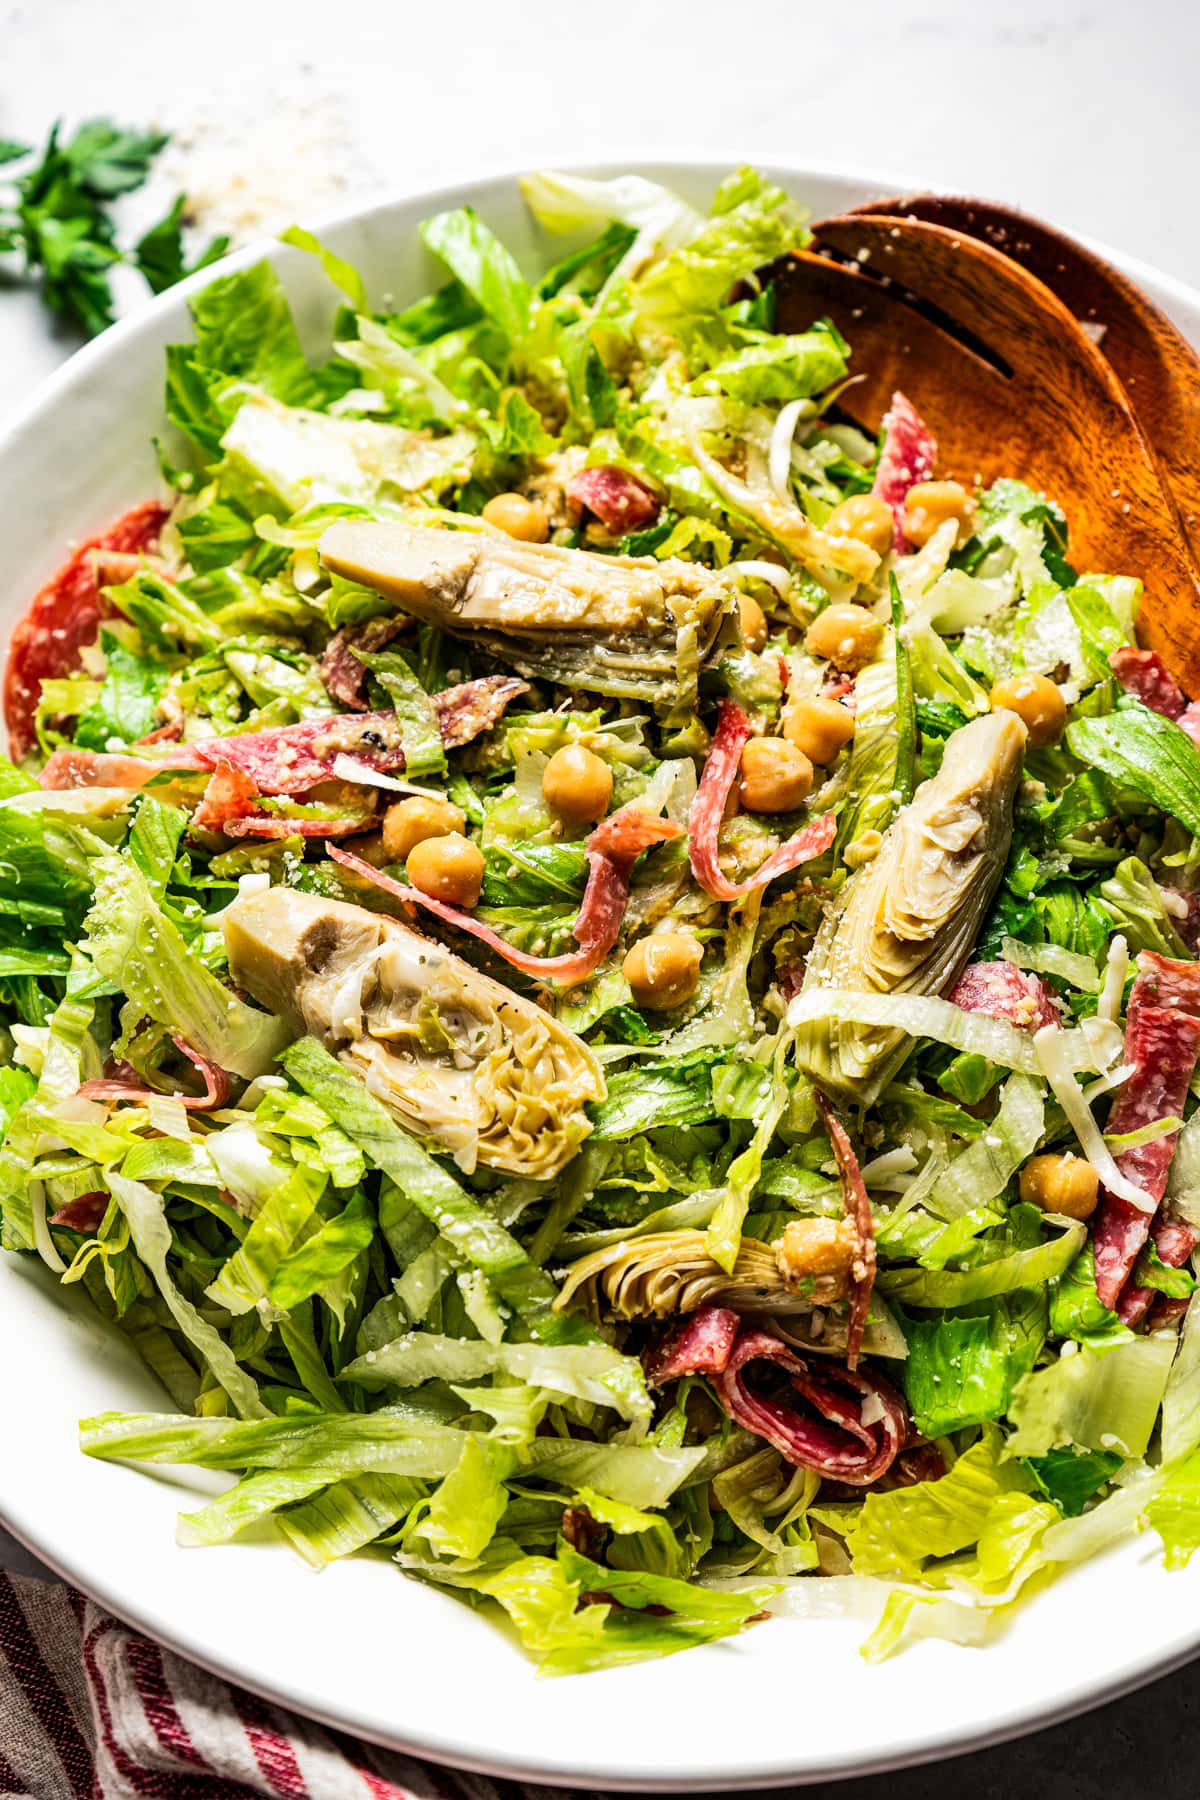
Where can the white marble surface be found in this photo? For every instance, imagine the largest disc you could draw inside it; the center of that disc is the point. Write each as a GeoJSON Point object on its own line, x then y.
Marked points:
{"type": "Point", "coordinates": [1082, 112]}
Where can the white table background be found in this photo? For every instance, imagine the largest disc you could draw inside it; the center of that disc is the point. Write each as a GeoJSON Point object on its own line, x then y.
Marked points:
{"type": "Point", "coordinates": [1084, 112]}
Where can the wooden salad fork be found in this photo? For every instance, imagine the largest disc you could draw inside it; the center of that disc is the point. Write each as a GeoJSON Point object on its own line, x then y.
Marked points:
{"type": "Point", "coordinates": [1149, 355]}
{"type": "Point", "coordinates": [1010, 384]}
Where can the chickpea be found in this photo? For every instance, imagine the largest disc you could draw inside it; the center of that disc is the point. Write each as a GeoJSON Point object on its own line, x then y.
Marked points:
{"type": "Point", "coordinates": [865, 517]}
{"type": "Point", "coordinates": [930, 503]}
{"type": "Point", "coordinates": [820, 1250]}
{"type": "Point", "coordinates": [776, 776]}
{"type": "Point", "coordinates": [818, 727]}
{"type": "Point", "coordinates": [447, 868]}
{"type": "Point", "coordinates": [369, 848]}
{"type": "Point", "coordinates": [663, 970]}
{"type": "Point", "coordinates": [846, 635]}
{"type": "Point", "coordinates": [410, 821]}
{"type": "Point", "coordinates": [1037, 703]}
{"type": "Point", "coordinates": [577, 785]}
{"type": "Point", "coordinates": [1061, 1184]}
{"type": "Point", "coordinates": [519, 517]}
{"type": "Point", "coordinates": [753, 622]}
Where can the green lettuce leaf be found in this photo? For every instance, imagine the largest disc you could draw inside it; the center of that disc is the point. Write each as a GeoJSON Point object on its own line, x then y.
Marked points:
{"type": "Point", "coordinates": [1070, 1477]}
{"type": "Point", "coordinates": [343, 1517]}
{"type": "Point", "coordinates": [244, 329]}
{"type": "Point", "coordinates": [645, 1099]}
{"type": "Point", "coordinates": [542, 1598]}
{"type": "Point", "coordinates": [126, 707]}
{"type": "Point", "coordinates": [1174, 1512]}
{"type": "Point", "coordinates": [470, 1503]}
{"type": "Point", "coordinates": [1142, 750]}
{"type": "Point", "coordinates": [1104, 1397]}
{"type": "Point", "coordinates": [592, 1372]}
{"type": "Point", "coordinates": [767, 369]}
{"type": "Point", "coordinates": [1026, 1268]}
{"type": "Point", "coordinates": [151, 1234]}
{"type": "Point", "coordinates": [982, 1172]}
{"type": "Point", "coordinates": [416, 715]}
{"type": "Point", "coordinates": [896, 1533]}
{"type": "Point", "coordinates": [962, 1370]}
{"type": "Point", "coordinates": [137, 947]}
{"type": "Point", "coordinates": [474, 254]}
{"type": "Point", "coordinates": [329, 1251]}
{"type": "Point", "coordinates": [474, 1233]}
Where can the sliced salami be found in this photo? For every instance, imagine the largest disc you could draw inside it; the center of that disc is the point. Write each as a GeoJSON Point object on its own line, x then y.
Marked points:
{"type": "Point", "coordinates": [909, 454]}
{"type": "Point", "coordinates": [83, 1214]}
{"type": "Point", "coordinates": [1162, 1043]}
{"type": "Point", "coordinates": [708, 809]}
{"type": "Point", "coordinates": [64, 618]}
{"type": "Point", "coordinates": [619, 500]}
{"type": "Point", "coordinates": [123, 1084]}
{"type": "Point", "coordinates": [68, 768]}
{"type": "Point", "coordinates": [699, 1345]}
{"type": "Point", "coordinates": [465, 712]}
{"type": "Point", "coordinates": [1003, 991]}
{"type": "Point", "coordinates": [858, 1211]}
{"type": "Point", "coordinates": [813, 1417]}
{"type": "Point", "coordinates": [1145, 674]}
{"type": "Point", "coordinates": [345, 677]}
{"type": "Point", "coordinates": [612, 851]}
{"type": "Point", "coordinates": [292, 759]}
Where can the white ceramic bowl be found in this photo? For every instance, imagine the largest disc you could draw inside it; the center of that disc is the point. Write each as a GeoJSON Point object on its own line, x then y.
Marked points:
{"type": "Point", "coordinates": [360, 1646]}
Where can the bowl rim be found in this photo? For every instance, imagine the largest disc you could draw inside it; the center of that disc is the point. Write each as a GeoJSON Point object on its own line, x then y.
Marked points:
{"type": "Point", "coordinates": [928, 1745]}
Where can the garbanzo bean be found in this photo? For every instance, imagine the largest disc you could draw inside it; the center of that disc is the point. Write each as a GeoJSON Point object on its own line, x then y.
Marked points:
{"type": "Point", "coordinates": [865, 517]}
{"type": "Point", "coordinates": [846, 635]}
{"type": "Point", "coordinates": [663, 970]}
{"type": "Point", "coordinates": [753, 622]}
{"type": "Point", "coordinates": [1037, 703]}
{"type": "Point", "coordinates": [369, 848]}
{"type": "Point", "coordinates": [776, 776]}
{"type": "Point", "coordinates": [577, 785]}
{"type": "Point", "coordinates": [930, 503]}
{"type": "Point", "coordinates": [410, 821]}
{"type": "Point", "coordinates": [817, 726]}
{"type": "Point", "coordinates": [519, 517]}
{"type": "Point", "coordinates": [447, 868]}
{"type": "Point", "coordinates": [814, 1248]}
{"type": "Point", "coordinates": [1061, 1184]}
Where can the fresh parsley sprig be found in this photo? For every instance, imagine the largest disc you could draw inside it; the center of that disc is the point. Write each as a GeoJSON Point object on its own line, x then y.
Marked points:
{"type": "Point", "coordinates": [57, 218]}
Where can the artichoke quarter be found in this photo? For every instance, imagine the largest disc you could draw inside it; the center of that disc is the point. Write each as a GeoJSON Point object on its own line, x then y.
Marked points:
{"type": "Point", "coordinates": [628, 626]}
{"type": "Point", "coordinates": [909, 918]}
{"type": "Point", "coordinates": [453, 1054]}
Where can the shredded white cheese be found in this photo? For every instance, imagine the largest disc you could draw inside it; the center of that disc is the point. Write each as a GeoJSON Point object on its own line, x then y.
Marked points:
{"type": "Point", "coordinates": [349, 768]}
{"type": "Point", "coordinates": [1052, 959]}
{"type": "Point", "coordinates": [1056, 1067]}
{"type": "Point", "coordinates": [1115, 972]}
{"type": "Point", "coordinates": [779, 459]}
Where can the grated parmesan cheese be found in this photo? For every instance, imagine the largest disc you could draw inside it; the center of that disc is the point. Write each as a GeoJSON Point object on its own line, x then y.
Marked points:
{"type": "Point", "coordinates": [250, 171]}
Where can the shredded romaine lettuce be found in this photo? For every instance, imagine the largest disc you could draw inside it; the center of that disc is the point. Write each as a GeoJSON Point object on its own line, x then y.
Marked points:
{"type": "Point", "coordinates": [601, 502]}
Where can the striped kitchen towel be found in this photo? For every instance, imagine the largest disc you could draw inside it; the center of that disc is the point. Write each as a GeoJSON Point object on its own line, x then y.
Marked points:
{"type": "Point", "coordinates": [91, 1710]}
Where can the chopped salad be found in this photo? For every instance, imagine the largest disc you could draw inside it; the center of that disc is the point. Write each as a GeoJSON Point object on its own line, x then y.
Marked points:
{"type": "Point", "coordinates": [599, 967]}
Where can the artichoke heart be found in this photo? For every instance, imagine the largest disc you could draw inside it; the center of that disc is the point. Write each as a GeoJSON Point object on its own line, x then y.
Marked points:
{"type": "Point", "coordinates": [622, 625]}
{"type": "Point", "coordinates": [453, 1054]}
{"type": "Point", "coordinates": [909, 918]}
{"type": "Point", "coordinates": [669, 1272]}
{"type": "Point", "coordinates": [801, 1290]}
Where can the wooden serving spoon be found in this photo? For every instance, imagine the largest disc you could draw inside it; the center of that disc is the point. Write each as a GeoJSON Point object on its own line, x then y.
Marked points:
{"type": "Point", "coordinates": [1150, 356]}
{"type": "Point", "coordinates": [1009, 384]}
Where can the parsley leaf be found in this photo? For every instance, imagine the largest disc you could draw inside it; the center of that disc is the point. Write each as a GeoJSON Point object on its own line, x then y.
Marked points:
{"type": "Point", "coordinates": [56, 217]}
{"type": "Point", "coordinates": [159, 252]}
